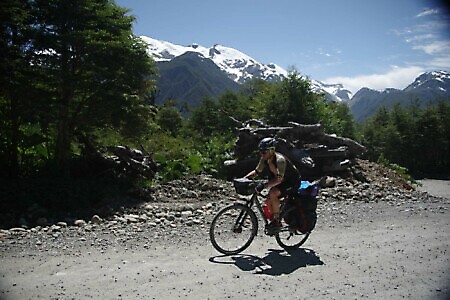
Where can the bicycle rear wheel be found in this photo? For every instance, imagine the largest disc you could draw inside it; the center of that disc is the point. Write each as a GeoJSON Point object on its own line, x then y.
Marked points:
{"type": "Point", "coordinates": [233, 229]}
{"type": "Point", "coordinates": [290, 239]}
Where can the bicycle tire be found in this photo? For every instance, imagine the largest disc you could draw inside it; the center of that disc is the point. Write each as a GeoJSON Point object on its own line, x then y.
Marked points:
{"type": "Point", "coordinates": [291, 239]}
{"type": "Point", "coordinates": [228, 239]}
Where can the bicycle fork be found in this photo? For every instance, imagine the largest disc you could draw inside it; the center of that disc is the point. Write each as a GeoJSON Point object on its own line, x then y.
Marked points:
{"type": "Point", "coordinates": [237, 228]}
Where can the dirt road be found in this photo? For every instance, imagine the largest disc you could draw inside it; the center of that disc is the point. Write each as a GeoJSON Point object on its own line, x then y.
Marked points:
{"type": "Point", "coordinates": [435, 187]}
{"type": "Point", "coordinates": [357, 251]}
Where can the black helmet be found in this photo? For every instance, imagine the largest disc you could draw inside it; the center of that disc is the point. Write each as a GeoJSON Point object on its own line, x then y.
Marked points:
{"type": "Point", "coordinates": [267, 143]}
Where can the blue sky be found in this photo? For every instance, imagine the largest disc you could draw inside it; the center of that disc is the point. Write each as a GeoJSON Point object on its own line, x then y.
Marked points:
{"type": "Point", "coordinates": [372, 43]}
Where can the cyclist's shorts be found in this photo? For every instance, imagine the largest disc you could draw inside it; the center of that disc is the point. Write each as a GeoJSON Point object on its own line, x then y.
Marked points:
{"type": "Point", "coordinates": [286, 187]}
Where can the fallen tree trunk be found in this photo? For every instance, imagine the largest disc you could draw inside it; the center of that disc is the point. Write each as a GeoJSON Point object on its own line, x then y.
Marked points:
{"type": "Point", "coordinates": [306, 145]}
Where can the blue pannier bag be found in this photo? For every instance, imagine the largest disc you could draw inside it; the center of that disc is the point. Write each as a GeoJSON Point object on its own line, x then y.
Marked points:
{"type": "Point", "coordinates": [307, 188]}
{"type": "Point", "coordinates": [303, 217]}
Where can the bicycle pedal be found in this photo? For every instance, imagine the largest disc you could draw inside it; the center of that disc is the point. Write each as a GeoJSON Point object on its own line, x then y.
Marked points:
{"type": "Point", "coordinates": [271, 231]}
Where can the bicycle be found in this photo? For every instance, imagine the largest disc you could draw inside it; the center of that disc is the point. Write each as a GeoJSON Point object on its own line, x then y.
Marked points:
{"type": "Point", "coordinates": [234, 227]}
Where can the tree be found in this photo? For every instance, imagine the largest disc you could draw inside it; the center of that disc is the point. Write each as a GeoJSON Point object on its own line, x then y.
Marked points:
{"type": "Point", "coordinates": [433, 136]}
{"type": "Point", "coordinates": [16, 104]}
{"type": "Point", "coordinates": [98, 72]}
{"type": "Point", "coordinates": [374, 133]}
{"type": "Point", "coordinates": [253, 96]}
{"type": "Point", "coordinates": [169, 118]}
{"type": "Point", "coordinates": [418, 139]}
{"type": "Point", "coordinates": [68, 68]}
{"type": "Point", "coordinates": [339, 120]}
{"type": "Point", "coordinates": [205, 118]}
{"type": "Point", "coordinates": [293, 100]}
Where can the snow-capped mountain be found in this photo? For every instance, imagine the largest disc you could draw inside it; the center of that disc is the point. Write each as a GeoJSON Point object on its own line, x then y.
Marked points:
{"type": "Point", "coordinates": [238, 66]}
{"type": "Point", "coordinates": [439, 80]}
{"type": "Point", "coordinates": [335, 92]}
{"type": "Point", "coordinates": [428, 87]}
{"type": "Point", "coordinates": [189, 78]}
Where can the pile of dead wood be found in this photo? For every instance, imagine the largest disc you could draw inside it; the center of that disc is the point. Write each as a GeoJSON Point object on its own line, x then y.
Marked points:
{"type": "Point", "coordinates": [124, 162]}
{"type": "Point", "coordinates": [312, 151]}
{"type": "Point", "coordinates": [134, 162]}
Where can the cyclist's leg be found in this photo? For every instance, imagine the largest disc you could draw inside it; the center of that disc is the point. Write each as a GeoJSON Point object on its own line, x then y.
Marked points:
{"type": "Point", "coordinates": [275, 194]}
{"type": "Point", "coordinates": [274, 200]}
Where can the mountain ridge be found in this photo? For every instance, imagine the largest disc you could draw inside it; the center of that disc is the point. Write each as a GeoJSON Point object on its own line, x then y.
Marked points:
{"type": "Point", "coordinates": [234, 67]}
{"type": "Point", "coordinates": [428, 87]}
{"type": "Point", "coordinates": [189, 78]}
{"type": "Point", "coordinates": [238, 66]}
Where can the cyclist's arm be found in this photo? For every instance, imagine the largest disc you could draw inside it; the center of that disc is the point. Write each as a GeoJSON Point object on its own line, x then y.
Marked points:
{"type": "Point", "coordinates": [259, 168]}
{"type": "Point", "coordinates": [281, 170]}
{"type": "Point", "coordinates": [274, 182]}
{"type": "Point", "coordinates": [252, 174]}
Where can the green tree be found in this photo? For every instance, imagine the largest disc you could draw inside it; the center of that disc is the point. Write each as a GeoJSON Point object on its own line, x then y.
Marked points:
{"type": "Point", "coordinates": [98, 71]}
{"type": "Point", "coordinates": [204, 119]}
{"type": "Point", "coordinates": [234, 109]}
{"type": "Point", "coordinates": [339, 120]}
{"type": "Point", "coordinates": [433, 136]}
{"type": "Point", "coordinates": [253, 97]}
{"type": "Point", "coordinates": [418, 139]}
{"type": "Point", "coordinates": [374, 133]}
{"type": "Point", "coordinates": [16, 84]}
{"type": "Point", "coordinates": [169, 118]}
{"type": "Point", "coordinates": [68, 68]}
{"type": "Point", "coordinates": [293, 100]}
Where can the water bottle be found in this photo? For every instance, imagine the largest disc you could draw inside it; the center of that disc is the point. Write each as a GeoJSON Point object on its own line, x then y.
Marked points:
{"type": "Point", "coordinates": [267, 211]}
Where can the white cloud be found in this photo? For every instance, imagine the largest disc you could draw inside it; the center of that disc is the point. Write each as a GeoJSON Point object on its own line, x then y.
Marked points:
{"type": "Point", "coordinates": [428, 12]}
{"type": "Point", "coordinates": [420, 37]}
{"type": "Point", "coordinates": [430, 35]}
{"type": "Point", "coordinates": [322, 52]}
{"type": "Point", "coordinates": [434, 47]}
{"type": "Point", "coordinates": [440, 62]}
{"type": "Point", "coordinates": [396, 77]}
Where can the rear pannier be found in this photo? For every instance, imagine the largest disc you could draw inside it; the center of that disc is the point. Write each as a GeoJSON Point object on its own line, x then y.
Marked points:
{"type": "Point", "coordinates": [302, 206]}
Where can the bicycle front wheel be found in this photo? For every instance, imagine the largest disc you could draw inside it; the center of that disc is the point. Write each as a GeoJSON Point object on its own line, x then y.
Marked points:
{"type": "Point", "coordinates": [290, 239]}
{"type": "Point", "coordinates": [233, 229]}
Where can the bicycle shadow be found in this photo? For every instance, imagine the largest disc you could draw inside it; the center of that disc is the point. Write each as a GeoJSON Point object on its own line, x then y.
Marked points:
{"type": "Point", "coordinates": [277, 262]}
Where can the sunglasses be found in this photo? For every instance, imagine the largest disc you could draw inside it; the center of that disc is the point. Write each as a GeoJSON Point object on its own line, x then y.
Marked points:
{"type": "Point", "coordinates": [263, 151]}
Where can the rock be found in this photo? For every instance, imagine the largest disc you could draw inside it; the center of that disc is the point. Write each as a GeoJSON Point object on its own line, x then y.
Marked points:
{"type": "Point", "coordinates": [199, 197]}
{"type": "Point", "coordinates": [62, 224]}
{"type": "Point", "coordinates": [54, 228]}
{"type": "Point", "coordinates": [120, 219]}
{"type": "Point", "coordinates": [80, 223]}
{"type": "Point", "coordinates": [330, 182]}
{"type": "Point", "coordinates": [132, 218]}
{"type": "Point", "coordinates": [18, 229]}
{"type": "Point", "coordinates": [186, 213]}
{"type": "Point", "coordinates": [96, 219]}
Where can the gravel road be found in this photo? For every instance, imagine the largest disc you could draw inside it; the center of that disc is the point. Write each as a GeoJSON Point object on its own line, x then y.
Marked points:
{"type": "Point", "coordinates": [439, 188]}
{"type": "Point", "coordinates": [357, 251]}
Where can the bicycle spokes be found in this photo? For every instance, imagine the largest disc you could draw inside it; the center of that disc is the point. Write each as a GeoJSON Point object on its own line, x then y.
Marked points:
{"type": "Point", "coordinates": [233, 229]}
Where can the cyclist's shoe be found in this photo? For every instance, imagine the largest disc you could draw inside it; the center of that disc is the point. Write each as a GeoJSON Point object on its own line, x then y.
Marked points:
{"type": "Point", "coordinates": [273, 227]}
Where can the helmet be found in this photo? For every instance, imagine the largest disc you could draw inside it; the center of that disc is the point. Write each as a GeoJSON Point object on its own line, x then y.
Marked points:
{"type": "Point", "coordinates": [267, 143]}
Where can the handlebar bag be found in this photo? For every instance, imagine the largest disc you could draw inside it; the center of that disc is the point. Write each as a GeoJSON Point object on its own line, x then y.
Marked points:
{"type": "Point", "coordinates": [244, 186]}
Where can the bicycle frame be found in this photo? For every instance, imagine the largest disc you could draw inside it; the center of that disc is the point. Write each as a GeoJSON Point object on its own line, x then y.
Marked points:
{"type": "Point", "coordinates": [254, 200]}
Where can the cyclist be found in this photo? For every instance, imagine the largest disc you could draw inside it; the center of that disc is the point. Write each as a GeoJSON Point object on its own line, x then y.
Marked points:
{"type": "Point", "coordinates": [283, 175]}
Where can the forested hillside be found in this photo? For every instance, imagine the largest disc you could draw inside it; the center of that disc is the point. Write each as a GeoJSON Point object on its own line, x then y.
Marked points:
{"type": "Point", "coordinates": [189, 78]}
{"type": "Point", "coordinates": [428, 88]}
{"type": "Point", "coordinates": [411, 137]}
